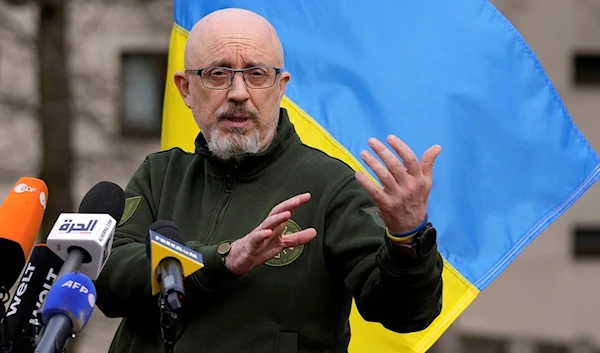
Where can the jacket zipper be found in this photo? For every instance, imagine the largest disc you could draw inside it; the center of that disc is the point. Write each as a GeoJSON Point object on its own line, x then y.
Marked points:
{"type": "Point", "coordinates": [220, 209]}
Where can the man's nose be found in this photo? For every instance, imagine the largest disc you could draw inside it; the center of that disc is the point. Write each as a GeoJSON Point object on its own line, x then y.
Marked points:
{"type": "Point", "coordinates": [238, 90]}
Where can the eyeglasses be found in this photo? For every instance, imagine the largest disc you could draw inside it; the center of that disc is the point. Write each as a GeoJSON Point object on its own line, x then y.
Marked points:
{"type": "Point", "coordinates": [257, 77]}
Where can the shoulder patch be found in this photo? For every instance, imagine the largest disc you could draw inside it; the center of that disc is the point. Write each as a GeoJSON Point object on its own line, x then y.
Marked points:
{"type": "Point", "coordinates": [131, 206]}
{"type": "Point", "coordinates": [374, 213]}
{"type": "Point", "coordinates": [287, 255]}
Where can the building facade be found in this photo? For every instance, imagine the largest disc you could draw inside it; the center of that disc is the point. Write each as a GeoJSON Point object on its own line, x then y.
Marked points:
{"type": "Point", "coordinates": [118, 58]}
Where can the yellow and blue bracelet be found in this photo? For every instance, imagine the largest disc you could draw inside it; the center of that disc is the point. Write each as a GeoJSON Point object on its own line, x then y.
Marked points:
{"type": "Point", "coordinates": [408, 235]}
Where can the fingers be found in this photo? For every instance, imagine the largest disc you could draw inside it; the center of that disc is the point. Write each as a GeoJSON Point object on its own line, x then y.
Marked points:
{"type": "Point", "coordinates": [267, 228]}
{"type": "Point", "coordinates": [257, 239]}
{"type": "Point", "coordinates": [374, 191]}
{"type": "Point", "coordinates": [272, 221]}
{"type": "Point", "coordinates": [299, 238]}
{"type": "Point", "coordinates": [395, 168]}
{"type": "Point", "coordinates": [265, 240]}
{"type": "Point", "coordinates": [387, 179]}
{"type": "Point", "coordinates": [391, 160]}
{"type": "Point", "coordinates": [394, 172]}
{"type": "Point", "coordinates": [278, 231]}
{"type": "Point", "coordinates": [409, 158]}
{"type": "Point", "coordinates": [429, 158]}
{"type": "Point", "coordinates": [291, 203]}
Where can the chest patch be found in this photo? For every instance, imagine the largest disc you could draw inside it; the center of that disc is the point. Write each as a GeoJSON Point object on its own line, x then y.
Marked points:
{"type": "Point", "coordinates": [131, 206]}
{"type": "Point", "coordinates": [287, 255]}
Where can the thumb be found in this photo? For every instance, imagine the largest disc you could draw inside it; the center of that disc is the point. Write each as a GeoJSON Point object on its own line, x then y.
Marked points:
{"type": "Point", "coordinates": [429, 158]}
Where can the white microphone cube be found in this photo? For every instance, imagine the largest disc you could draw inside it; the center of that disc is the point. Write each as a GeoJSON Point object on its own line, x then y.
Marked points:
{"type": "Point", "coordinates": [88, 231]}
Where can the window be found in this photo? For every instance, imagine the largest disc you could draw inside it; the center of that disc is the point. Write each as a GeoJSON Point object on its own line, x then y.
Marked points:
{"type": "Point", "coordinates": [143, 78]}
{"type": "Point", "coordinates": [586, 242]}
{"type": "Point", "coordinates": [586, 69]}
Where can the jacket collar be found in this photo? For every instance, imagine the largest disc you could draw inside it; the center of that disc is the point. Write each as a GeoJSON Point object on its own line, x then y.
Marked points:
{"type": "Point", "coordinates": [248, 164]}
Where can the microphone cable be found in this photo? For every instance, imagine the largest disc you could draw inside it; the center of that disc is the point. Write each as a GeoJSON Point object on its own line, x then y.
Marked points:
{"type": "Point", "coordinates": [170, 323]}
{"type": "Point", "coordinates": [5, 299]}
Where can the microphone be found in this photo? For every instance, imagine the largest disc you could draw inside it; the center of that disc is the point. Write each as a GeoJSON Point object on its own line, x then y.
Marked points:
{"type": "Point", "coordinates": [20, 219]}
{"type": "Point", "coordinates": [68, 307]}
{"type": "Point", "coordinates": [84, 239]}
{"type": "Point", "coordinates": [22, 317]}
{"type": "Point", "coordinates": [170, 263]}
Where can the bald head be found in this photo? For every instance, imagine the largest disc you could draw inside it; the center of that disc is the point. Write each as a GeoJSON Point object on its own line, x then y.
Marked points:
{"type": "Point", "coordinates": [232, 31]}
{"type": "Point", "coordinates": [237, 114]}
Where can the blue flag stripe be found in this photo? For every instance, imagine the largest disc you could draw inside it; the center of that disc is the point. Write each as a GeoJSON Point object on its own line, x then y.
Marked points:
{"type": "Point", "coordinates": [453, 73]}
{"type": "Point", "coordinates": [537, 229]}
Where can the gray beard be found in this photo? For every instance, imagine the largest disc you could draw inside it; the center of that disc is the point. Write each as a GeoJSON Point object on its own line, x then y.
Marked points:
{"type": "Point", "coordinates": [225, 146]}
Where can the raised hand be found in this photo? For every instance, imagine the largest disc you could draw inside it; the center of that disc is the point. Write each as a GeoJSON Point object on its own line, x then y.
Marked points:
{"type": "Point", "coordinates": [402, 201]}
{"type": "Point", "coordinates": [267, 240]}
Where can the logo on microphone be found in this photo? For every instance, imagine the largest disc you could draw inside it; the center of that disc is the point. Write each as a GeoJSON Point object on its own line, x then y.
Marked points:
{"type": "Point", "coordinates": [91, 300]}
{"type": "Point", "coordinates": [187, 252]}
{"type": "Point", "coordinates": [43, 199]}
{"type": "Point", "coordinates": [75, 285]}
{"type": "Point", "coordinates": [162, 247]}
{"type": "Point", "coordinates": [21, 188]}
{"type": "Point", "coordinates": [81, 228]}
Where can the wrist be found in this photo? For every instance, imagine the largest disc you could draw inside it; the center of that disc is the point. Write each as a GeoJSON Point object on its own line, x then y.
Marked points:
{"type": "Point", "coordinates": [396, 239]}
{"type": "Point", "coordinates": [420, 244]}
{"type": "Point", "coordinates": [214, 271]}
{"type": "Point", "coordinates": [406, 237]}
{"type": "Point", "coordinates": [234, 259]}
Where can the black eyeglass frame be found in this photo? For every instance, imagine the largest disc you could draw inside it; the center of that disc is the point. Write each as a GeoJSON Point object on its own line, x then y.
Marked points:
{"type": "Point", "coordinates": [278, 70]}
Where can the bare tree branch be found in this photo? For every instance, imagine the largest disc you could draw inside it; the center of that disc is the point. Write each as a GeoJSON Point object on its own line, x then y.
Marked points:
{"type": "Point", "coordinates": [93, 27]}
{"type": "Point", "coordinates": [16, 104]}
{"type": "Point", "coordinates": [155, 11]}
{"type": "Point", "coordinates": [12, 28]}
{"type": "Point", "coordinates": [19, 104]}
{"type": "Point", "coordinates": [90, 87]}
{"type": "Point", "coordinates": [16, 2]}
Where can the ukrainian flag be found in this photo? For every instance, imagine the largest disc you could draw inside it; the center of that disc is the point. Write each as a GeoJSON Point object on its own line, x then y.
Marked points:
{"type": "Point", "coordinates": [454, 73]}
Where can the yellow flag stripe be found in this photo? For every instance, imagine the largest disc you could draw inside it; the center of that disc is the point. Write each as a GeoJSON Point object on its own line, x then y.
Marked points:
{"type": "Point", "coordinates": [178, 127]}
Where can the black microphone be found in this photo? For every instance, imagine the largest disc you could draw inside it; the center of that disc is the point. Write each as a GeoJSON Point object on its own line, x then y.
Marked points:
{"type": "Point", "coordinates": [22, 317]}
{"type": "Point", "coordinates": [170, 262]}
{"type": "Point", "coordinates": [168, 272]}
{"type": "Point", "coordinates": [84, 239]}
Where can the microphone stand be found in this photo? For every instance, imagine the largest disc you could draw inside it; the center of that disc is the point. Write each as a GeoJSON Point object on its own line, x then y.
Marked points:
{"type": "Point", "coordinates": [5, 346]}
{"type": "Point", "coordinates": [56, 340]}
{"type": "Point", "coordinates": [32, 330]}
{"type": "Point", "coordinates": [170, 320]}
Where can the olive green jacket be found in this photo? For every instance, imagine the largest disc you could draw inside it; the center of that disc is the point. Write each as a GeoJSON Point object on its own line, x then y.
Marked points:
{"type": "Point", "coordinates": [300, 300]}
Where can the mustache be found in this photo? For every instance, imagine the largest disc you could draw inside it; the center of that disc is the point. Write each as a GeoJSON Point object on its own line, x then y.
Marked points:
{"type": "Point", "coordinates": [238, 109]}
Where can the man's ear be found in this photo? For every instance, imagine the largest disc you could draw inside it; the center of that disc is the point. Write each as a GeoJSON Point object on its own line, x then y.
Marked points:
{"type": "Point", "coordinates": [283, 80]}
{"type": "Point", "coordinates": [183, 86]}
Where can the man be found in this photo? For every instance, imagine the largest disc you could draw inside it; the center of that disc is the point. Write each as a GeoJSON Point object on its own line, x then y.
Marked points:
{"type": "Point", "coordinates": [289, 235]}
